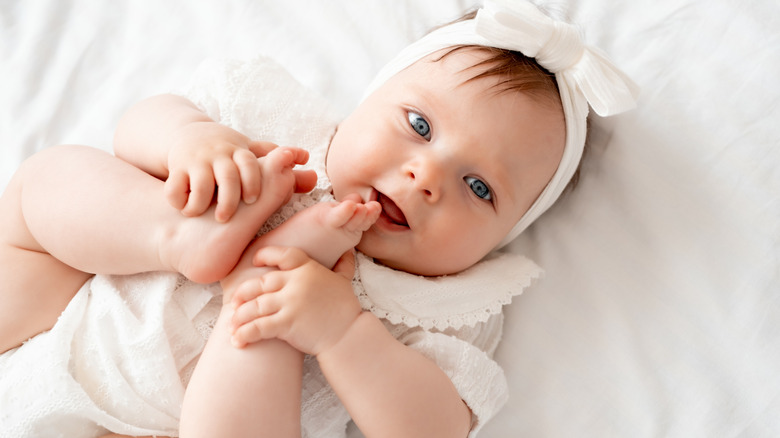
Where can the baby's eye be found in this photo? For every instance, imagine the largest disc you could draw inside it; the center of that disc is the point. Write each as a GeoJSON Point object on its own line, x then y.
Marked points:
{"type": "Point", "coordinates": [479, 188]}
{"type": "Point", "coordinates": [419, 124]}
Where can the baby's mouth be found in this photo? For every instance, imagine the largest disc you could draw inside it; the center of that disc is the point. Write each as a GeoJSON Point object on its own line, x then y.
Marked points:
{"type": "Point", "coordinates": [391, 211]}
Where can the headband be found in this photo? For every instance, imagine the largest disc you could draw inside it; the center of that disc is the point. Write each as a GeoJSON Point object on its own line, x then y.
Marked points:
{"type": "Point", "coordinates": [583, 73]}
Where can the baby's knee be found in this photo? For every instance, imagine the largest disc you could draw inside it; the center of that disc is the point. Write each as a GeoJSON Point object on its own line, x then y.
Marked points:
{"type": "Point", "coordinates": [56, 155]}
{"type": "Point", "coordinates": [46, 162]}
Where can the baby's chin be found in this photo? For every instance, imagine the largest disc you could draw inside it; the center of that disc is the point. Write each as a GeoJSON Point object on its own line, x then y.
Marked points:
{"type": "Point", "coordinates": [410, 265]}
{"type": "Point", "coordinates": [367, 250]}
{"type": "Point", "coordinates": [393, 253]}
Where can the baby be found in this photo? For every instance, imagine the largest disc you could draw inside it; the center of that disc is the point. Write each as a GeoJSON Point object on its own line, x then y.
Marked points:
{"type": "Point", "coordinates": [451, 183]}
{"type": "Point", "coordinates": [459, 145]}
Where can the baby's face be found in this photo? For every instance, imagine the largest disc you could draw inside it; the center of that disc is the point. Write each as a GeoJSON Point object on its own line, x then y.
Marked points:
{"type": "Point", "coordinates": [454, 164]}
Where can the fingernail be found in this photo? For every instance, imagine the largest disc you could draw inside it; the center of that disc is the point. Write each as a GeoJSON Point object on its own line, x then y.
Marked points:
{"type": "Point", "coordinates": [251, 200]}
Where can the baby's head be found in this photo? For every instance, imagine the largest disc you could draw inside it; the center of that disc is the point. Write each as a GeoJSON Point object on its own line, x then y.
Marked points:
{"type": "Point", "coordinates": [462, 143]}
{"type": "Point", "coordinates": [455, 159]}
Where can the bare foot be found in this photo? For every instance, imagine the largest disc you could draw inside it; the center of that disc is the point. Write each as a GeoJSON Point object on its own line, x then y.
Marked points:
{"type": "Point", "coordinates": [205, 250]}
{"type": "Point", "coordinates": [324, 231]}
{"type": "Point", "coordinates": [327, 230]}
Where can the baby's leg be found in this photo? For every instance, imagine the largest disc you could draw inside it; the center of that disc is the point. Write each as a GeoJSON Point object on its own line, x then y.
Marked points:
{"type": "Point", "coordinates": [250, 392]}
{"type": "Point", "coordinates": [205, 250]}
{"type": "Point", "coordinates": [35, 286]}
{"type": "Point", "coordinates": [99, 214]}
{"type": "Point", "coordinates": [324, 231]}
{"type": "Point", "coordinates": [260, 385]}
{"type": "Point", "coordinates": [74, 210]}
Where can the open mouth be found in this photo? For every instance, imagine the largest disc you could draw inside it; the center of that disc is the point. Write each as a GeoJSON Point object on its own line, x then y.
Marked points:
{"type": "Point", "coordinates": [391, 212]}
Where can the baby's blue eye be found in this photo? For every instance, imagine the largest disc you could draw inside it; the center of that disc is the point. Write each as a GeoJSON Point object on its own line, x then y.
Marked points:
{"type": "Point", "coordinates": [479, 188]}
{"type": "Point", "coordinates": [419, 124]}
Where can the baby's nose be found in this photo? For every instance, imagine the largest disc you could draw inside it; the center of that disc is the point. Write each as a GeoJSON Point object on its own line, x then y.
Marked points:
{"type": "Point", "coordinates": [425, 176]}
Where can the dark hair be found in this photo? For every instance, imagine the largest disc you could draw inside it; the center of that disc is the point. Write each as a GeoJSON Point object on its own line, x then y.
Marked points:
{"type": "Point", "coordinates": [520, 73]}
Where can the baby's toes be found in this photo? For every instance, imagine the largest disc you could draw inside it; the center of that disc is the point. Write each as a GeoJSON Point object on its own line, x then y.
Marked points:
{"type": "Point", "coordinates": [341, 214]}
{"type": "Point", "coordinates": [373, 210]}
{"type": "Point", "coordinates": [278, 179]}
{"type": "Point", "coordinates": [365, 215]}
{"type": "Point", "coordinates": [277, 161]}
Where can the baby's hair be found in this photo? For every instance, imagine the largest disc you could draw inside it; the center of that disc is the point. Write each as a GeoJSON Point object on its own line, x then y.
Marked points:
{"type": "Point", "coordinates": [517, 72]}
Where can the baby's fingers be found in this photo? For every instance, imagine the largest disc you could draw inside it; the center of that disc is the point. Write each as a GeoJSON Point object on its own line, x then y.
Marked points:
{"type": "Point", "coordinates": [249, 172]}
{"type": "Point", "coordinates": [283, 258]}
{"type": "Point", "coordinates": [177, 189]}
{"type": "Point", "coordinates": [201, 191]}
{"type": "Point", "coordinates": [267, 327]}
{"type": "Point", "coordinates": [228, 189]}
{"type": "Point", "coordinates": [253, 288]}
{"type": "Point", "coordinates": [264, 305]}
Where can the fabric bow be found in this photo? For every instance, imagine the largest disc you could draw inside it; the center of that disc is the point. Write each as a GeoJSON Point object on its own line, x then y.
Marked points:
{"type": "Point", "coordinates": [558, 47]}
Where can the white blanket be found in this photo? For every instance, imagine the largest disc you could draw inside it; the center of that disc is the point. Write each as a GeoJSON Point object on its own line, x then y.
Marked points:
{"type": "Point", "coordinates": [659, 314]}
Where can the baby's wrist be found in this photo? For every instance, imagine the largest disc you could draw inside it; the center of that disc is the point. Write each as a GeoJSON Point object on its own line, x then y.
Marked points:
{"type": "Point", "coordinates": [360, 330]}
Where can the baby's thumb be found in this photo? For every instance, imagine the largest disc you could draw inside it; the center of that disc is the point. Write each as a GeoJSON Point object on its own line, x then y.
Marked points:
{"type": "Point", "coordinates": [345, 266]}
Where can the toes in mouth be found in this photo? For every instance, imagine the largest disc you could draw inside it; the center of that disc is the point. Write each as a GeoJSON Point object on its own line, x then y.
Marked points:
{"type": "Point", "coordinates": [391, 211]}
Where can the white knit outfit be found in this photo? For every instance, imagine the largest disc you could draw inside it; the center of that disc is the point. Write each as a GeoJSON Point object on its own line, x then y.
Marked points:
{"type": "Point", "coordinates": [121, 354]}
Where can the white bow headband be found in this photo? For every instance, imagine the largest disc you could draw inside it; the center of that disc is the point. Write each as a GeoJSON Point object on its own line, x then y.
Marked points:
{"type": "Point", "coordinates": [583, 73]}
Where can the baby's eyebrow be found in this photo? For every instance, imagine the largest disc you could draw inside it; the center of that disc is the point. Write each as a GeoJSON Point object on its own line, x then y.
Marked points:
{"type": "Point", "coordinates": [430, 100]}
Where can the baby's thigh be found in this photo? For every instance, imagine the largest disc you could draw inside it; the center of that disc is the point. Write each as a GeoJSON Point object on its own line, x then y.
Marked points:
{"type": "Point", "coordinates": [35, 287]}
{"type": "Point", "coordinates": [34, 291]}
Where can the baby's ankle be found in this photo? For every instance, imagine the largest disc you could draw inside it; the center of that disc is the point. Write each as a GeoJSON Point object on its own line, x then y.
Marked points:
{"type": "Point", "coordinates": [201, 249]}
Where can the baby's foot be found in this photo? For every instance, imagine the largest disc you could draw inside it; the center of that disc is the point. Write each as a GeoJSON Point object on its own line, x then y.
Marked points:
{"type": "Point", "coordinates": [327, 230]}
{"type": "Point", "coordinates": [205, 250]}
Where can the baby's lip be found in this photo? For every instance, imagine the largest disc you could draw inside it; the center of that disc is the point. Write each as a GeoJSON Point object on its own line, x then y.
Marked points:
{"type": "Point", "coordinates": [390, 210]}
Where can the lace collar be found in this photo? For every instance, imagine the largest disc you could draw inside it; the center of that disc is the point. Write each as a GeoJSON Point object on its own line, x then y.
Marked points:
{"type": "Point", "coordinates": [466, 298]}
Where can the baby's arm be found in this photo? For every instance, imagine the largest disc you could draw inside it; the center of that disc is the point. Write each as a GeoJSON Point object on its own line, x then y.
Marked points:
{"type": "Point", "coordinates": [259, 386]}
{"type": "Point", "coordinates": [169, 137]}
{"type": "Point", "coordinates": [388, 388]}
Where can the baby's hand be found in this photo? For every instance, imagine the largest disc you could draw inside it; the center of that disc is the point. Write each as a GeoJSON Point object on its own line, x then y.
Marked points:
{"type": "Point", "coordinates": [303, 303]}
{"type": "Point", "coordinates": [210, 160]}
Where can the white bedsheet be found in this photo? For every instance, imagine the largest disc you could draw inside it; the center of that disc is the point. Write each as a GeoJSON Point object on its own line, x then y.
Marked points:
{"type": "Point", "coordinates": [660, 311]}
